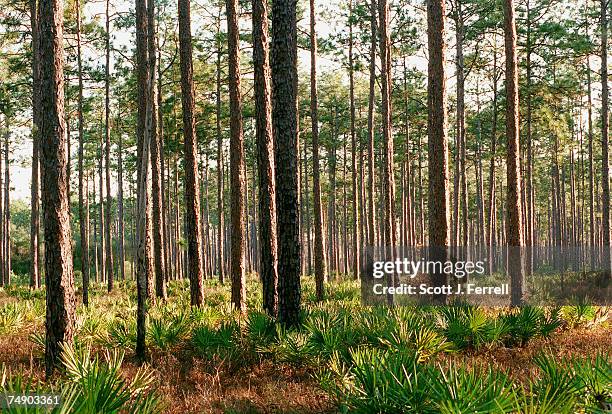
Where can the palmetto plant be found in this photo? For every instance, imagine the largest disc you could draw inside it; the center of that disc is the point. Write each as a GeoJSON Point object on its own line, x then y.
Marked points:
{"type": "Point", "coordinates": [578, 314]}
{"type": "Point", "coordinates": [330, 332]}
{"type": "Point", "coordinates": [593, 377]}
{"type": "Point", "coordinates": [423, 340]}
{"type": "Point", "coordinates": [11, 318]}
{"type": "Point", "coordinates": [18, 385]}
{"type": "Point", "coordinates": [121, 333]}
{"type": "Point", "coordinates": [469, 327]}
{"type": "Point", "coordinates": [165, 332]}
{"type": "Point", "coordinates": [100, 388]}
{"type": "Point", "coordinates": [291, 347]}
{"type": "Point", "coordinates": [219, 343]}
{"type": "Point", "coordinates": [260, 330]}
{"type": "Point", "coordinates": [90, 386]}
{"type": "Point", "coordinates": [462, 391]}
{"type": "Point", "coordinates": [530, 322]}
{"type": "Point", "coordinates": [388, 382]}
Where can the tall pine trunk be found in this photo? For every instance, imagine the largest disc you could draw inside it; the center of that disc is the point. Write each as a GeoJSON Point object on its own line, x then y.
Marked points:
{"type": "Point", "coordinates": [371, 134]}
{"type": "Point", "coordinates": [605, 157]}
{"type": "Point", "coordinates": [355, 206]}
{"type": "Point", "coordinates": [265, 158]}
{"type": "Point", "coordinates": [319, 242]}
{"type": "Point", "coordinates": [192, 196]}
{"type": "Point", "coordinates": [220, 192]}
{"type": "Point", "coordinates": [439, 223]}
{"type": "Point", "coordinates": [83, 221]}
{"type": "Point", "coordinates": [156, 165]}
{"type": "Point", "coordinates": [107, 144]}
{"type": "Point", "coordinates": [35, 186]}
{"type": "Point", "coordinates": [514, 225]}
{"type": "Point", "coordinates": [284, 119]}
{"type": "Point", "coordinates": [237, 166]}
{"type": "Point", "coordinates": [390, 232]}
{"type": "Point", "coordinates": [60, 301]}
{"type": "Point", "coordinates": [143, 271]}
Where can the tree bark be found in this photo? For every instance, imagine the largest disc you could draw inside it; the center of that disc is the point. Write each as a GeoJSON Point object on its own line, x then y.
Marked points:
{"type": "Point", "coordinates": [60, 301]}
{"type": "Point", "coordinates": [390, 231]}
{"type": "Point", "coordinates": [35, 186]}
{"type": "Point", "coordinates": [83, 223]}
{"type": "Point", "coordinates": [143, 272]}
{"type": "Point", "coordinates": [514, 225]}
{"type": "Point", "coordinates": [371, 109]}
{"type": "Point", "coordinates": [319, 241]}
{"type": "Point", "coordinates": [156, 165]}
{"type": "Point", "coordinates": [220, 186]}
{"type": "Point", "coordinates": [284, 116]}
{"type": "Point", "coordinates": [530, 208]}
{"type": "Point", "coordinates": [462, 229]}
{"type": "Point", "coordinates": [237, 166]}
{"type": "Point", "coordinates": [103, 223]}
{"type": "Point", "coordinates": [355, 206]}
{"type": "Point", "coordinates": [605, 157]}
{"type": "Point", "coordinates": [192, 196]}
{"type": "Point", "coordinates": [120, 213]}
{"type": "Point", "coordinates": [107, 132]}
{"type": "Point", "coordinates": [7, 205]}
{"type": "Point", "coordinates": [265, 158]}
{"type": "Point", "coordinates": [439, 223]}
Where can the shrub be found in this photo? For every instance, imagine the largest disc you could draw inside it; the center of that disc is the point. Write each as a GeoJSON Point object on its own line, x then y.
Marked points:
{"type": "Point", "coordinates": [469, 327]}
{"type": "Point", "coordinates": [99, 387]}
{"type": "Point", "coordinates": [528, 323]}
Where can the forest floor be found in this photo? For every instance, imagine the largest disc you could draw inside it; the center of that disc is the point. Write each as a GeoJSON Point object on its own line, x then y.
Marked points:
{"type": "Point", "coordinates": [187, 382]}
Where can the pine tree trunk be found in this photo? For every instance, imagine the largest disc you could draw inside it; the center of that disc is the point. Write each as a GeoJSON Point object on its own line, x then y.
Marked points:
{"type": "Point", "coordinates": [371, 109]}
{"type": "Point", "coordinates": [35, 186]}
{"type": "Point", "coordinates": [144, 138]}
{"type": "Point", "coordinates": [355, 206]}
{"type": "Point", "coordinates": [83, 223]}
{"type": "Point", "coordinates": [107, 132]}
{"type": "Point", "coordinates": [592, 236]}
{"type": "Point", "coordinates": [165, 178]}
{"type": "Point", "coordinates": [237, 166]}
{"type": "Point", "coordinates": [103, 223]}
{"type": "Point", "coordinates": [120, 213]}
{"type": "Point", "coordinates": [605, 157]}
{"type": "Point", "coordinates": [220, 186]}
{"type": "Point", "coordinates": [2, 227]}
{"type": "Point", "coordinates": [7, 205]}
{"type": "Point", "coordinates": [319, 242]}
{"type": "Point", "coordinates": [60, 301]}
{"type": "Point", "coordinates": [95, 228]}
{"type": "Point", "coordinates": [284, 116]}
{"type": "Point", "coordinates": [192, 196]}
{"type": "Point", "coordinates": [530, 208]}
{"type": "Point", "coordinates": [514, 225]}
{"type": "Point", "coordinates": [438, 144]}
{"type": "Point", "coordinates": [156, 165]}
{"type": "Point", "coordinates": [265, 158]}
{"type": "Point", "coordinates": [491, 217]}
{"type": "Point", "coordinates": [462, 230]}
{"type": "Point", "coordinates": [390, 240]}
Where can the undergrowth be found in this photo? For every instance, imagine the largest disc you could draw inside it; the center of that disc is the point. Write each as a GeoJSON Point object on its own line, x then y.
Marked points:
{"type": "Point", "coordinates": [367, 359]}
